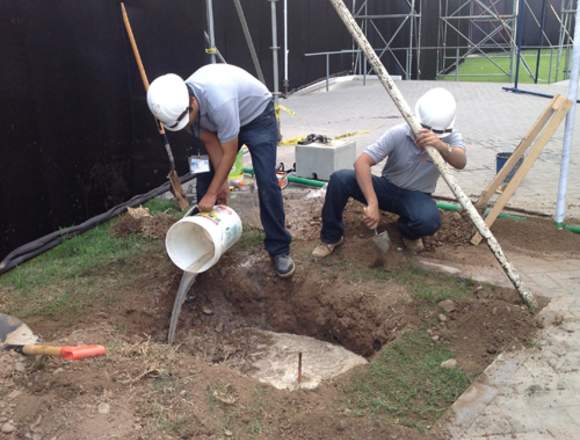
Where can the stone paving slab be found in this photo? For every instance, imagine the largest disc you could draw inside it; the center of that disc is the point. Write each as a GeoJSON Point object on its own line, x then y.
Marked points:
{"type": "Point", "coordinates": [532, 393]}
{"type": "Point", "coordinates": [490, 119]}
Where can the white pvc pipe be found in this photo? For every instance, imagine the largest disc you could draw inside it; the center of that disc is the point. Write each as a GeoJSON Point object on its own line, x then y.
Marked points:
{"type": "Point", "coordinates": [210, 28]}
{"type": "Point", "coordinates": [569, 127]}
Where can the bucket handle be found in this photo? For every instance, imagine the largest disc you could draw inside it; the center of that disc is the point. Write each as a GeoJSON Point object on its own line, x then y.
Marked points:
{"type": "Point", "coordinates": [191, 211]}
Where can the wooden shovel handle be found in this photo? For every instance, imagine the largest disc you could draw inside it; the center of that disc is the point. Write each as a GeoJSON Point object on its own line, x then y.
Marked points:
{"type": "Point", "coordinates": [134, 47]}
{"type": "Point", "coordinates": [39, 350]}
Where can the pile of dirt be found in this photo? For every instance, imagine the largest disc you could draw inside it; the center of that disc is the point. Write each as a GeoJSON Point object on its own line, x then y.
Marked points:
{"type": "Point", "coordinates": [153, 227]}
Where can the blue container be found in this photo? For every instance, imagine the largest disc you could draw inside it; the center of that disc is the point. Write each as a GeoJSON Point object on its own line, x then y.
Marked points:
{"type": "Point", "coordinates": [501, 159]}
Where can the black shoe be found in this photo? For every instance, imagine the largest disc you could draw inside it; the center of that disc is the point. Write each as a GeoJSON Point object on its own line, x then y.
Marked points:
{"type": "Point", "coordinates": [284, 265]}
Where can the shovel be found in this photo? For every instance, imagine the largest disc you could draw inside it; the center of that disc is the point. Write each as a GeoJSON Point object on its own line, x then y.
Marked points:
{"type": "Point", "coordinates": [16, 335]}
{"type": "Point", "coordinates": [382, 244]}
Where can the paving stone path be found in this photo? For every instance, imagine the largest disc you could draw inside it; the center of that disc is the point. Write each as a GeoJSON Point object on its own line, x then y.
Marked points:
{"type": "Point", "coordinates": [490, 119]}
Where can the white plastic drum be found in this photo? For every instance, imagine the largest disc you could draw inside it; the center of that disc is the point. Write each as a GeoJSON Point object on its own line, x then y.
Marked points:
{"type": "Point", "coordinates": [196, 242]}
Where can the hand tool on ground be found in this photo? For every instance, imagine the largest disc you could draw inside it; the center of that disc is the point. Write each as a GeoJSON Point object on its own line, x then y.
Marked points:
{"type": "Point", "coordinates": [403, 107]}
{"type": "Point", "coordinates": [16, 335]}
{"type": "Point", "coordinates": [382, 244]}
{"type": "Point", "coordinates": [172, 176]}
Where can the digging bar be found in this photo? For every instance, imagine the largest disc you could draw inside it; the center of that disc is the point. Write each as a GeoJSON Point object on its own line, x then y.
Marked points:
{"type": "Point", "coordinates": [405, 110]}
{"type": "Point", "coordinates": [172, 176]}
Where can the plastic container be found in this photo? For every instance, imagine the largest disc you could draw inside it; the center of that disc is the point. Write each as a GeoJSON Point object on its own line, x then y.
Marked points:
{"type": "Point", "coordinates": [197, 241]}
{"type": "Point", "coordinates": [501, 159]}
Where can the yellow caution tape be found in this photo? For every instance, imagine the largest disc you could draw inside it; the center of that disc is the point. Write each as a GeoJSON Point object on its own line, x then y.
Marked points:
{"type": "Point", "coordinates": [211, 51]}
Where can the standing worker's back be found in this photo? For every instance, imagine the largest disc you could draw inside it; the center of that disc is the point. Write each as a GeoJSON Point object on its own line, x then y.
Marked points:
{"type": "Point", "coordinates": [227, 107]}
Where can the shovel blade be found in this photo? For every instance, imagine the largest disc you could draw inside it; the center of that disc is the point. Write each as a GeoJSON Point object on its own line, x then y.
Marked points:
{"type": "Point", "coordinates": [14, 332]}
{"type": "Point", "coordinates": [382, 242]}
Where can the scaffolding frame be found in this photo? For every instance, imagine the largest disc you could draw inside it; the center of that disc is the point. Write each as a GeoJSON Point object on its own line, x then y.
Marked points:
{"type": "Point", "coordinates": [479, 28]}
{"type": "Point", "coordinates": [409, 22]}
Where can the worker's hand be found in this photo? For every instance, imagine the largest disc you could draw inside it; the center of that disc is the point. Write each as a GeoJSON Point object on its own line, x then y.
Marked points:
{"type": "Point", "coordinates": [371, 216]}
{"type": "Point", "coordinates": [207, 202]}
{"type": "Point", "coordinates": [223, 195]}
{"type": "Point", "coordinates": [428, 138]}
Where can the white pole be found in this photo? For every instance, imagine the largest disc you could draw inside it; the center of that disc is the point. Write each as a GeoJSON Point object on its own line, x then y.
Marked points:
{"type": "Point", "coordinates": [286, 84]}
{"type": "Point", "coordinates": [441, 165]}
{"type": "Point", "coordinates": [569, 127]}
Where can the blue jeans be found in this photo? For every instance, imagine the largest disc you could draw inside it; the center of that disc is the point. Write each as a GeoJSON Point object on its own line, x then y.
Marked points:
{"type": "Point", "coordinates": [418, 213]}
{"type": "Point", "coordinates": [261, 136]}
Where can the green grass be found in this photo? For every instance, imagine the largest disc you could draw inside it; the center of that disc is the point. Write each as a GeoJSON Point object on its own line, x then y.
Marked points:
{"type": "Point", "coordinates": [72, 258]}
{"type": "Point", "coordinates": [406, 383]}
{"type": "Point", "coordinates": [250, 239]}
{"type": "Point", "coordinates": [479, 68]}
{"type": "Point", "coordinates": [424, 285]}
{"type": "Point", "coordinates": [158, 205]}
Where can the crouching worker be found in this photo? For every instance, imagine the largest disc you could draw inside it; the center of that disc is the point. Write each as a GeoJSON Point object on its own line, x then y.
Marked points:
{"type": "Point", "coordinates": [226, 107]}
{"type": "Point", "coordinates": [408, 179]}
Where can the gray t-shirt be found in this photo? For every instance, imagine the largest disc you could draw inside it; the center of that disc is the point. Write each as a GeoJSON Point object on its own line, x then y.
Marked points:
{"type": "Point", "coordinates": [408, 166]}
{"type": "Point", "coordinates": [229, 98]}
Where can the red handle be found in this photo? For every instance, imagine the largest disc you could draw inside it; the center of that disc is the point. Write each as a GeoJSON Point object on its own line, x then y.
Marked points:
{"type": "Point", "coordinates": [82, 352]}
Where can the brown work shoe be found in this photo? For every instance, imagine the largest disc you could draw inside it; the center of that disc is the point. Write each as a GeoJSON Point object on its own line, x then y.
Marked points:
{"type": "Point", "coordinates": [325, 249]}
{"type": "Point", "coordinates": [414, 246]}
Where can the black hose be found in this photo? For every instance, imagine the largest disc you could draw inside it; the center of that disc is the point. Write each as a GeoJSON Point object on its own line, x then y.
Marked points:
{"type": "Point", "coordinates": [42, 244]}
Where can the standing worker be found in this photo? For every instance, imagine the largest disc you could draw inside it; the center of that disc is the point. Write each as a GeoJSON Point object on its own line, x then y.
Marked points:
{"type": "Point", "coordinates": [226, 107]}
{"type": "Point", "coordinates": [408, 179]}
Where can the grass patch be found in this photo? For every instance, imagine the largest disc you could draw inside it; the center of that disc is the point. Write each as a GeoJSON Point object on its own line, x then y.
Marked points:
{"type": "Point", "coordinates": [72, 258]}
{"type": "Point", "coordinates": [425, 285]}
{"type": "Point", "coordinates": [167, 206]}
{"type": "Point", "coordinates": [481, 69]}
{"type": "Point", "coordinates": [406, 383]}
{"type": "Point", "coordinates": [250, 239]}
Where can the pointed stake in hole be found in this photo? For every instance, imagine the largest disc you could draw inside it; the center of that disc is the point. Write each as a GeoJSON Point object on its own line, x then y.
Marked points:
{"type": "Point", "coordinates": [299, 368]}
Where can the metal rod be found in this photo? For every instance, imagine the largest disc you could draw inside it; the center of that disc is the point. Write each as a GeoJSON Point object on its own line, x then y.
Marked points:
{"type": "Point", "coordinates": [249, 41]}
{"type": "Point", "coordinates": [217, 51]}
{"type": "Point", "coordinates": [285, 84]}
{"type": "Point", "coordinates": [275, 48]}
{"type": "Point", "coordinates": [209, 15]}
{"type": "Point", "coordinates": [519, 39]}
{"type": "Point", "coordinates": [405, 110]}
{"type": "Point", "coordinates": [542, 22]}
{"type": "Point", "coordinates": [299, 377]}
{"type": "Point", "coordinates": [327, 71]}
{"type": "Point", "coordinates": [569, 126]}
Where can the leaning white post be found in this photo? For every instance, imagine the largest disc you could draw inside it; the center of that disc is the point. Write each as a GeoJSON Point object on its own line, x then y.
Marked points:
{"type": "Point", "coordinates": [405, 110]}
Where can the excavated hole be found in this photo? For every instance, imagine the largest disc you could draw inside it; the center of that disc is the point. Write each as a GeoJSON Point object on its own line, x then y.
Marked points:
{"type": "Point", "coordinates": [229, 308]}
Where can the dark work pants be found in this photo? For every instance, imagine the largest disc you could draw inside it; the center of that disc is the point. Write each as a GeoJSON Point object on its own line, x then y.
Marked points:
{"type": "Point", "coordinates": [261, 136]}
{"type": "Point", "coordinates": [418, 214]}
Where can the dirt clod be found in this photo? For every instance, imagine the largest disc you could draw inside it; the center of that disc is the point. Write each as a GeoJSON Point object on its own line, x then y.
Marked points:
{"type": "Point", "coordinates": [449, 364]}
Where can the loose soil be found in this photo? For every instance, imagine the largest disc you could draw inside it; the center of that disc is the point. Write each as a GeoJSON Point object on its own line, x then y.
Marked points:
{"type": "Point", "coordinates": [145, 389]}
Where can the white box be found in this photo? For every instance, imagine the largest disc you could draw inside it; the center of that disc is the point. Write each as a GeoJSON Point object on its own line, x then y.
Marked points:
{"type": "Point", "coordinates": [320, 161]}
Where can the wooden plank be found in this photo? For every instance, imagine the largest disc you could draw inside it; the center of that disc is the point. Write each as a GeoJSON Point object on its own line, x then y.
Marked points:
{"type": "Point", "coordinates": [526, 141]}
{"type": "Point", "coordinates": [535, 151]}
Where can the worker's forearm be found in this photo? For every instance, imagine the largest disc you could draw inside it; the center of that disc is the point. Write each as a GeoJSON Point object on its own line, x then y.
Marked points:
{"type": "Point", "coordinates": [365, 182]}
{"type": "Point", "coordinates": [454, 156]}
{"type": "Point", "coordinates": [221, 171]}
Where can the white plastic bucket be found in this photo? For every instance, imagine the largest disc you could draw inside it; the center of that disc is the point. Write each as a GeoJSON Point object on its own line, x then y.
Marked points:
{"type": "Point", "coordinates": [196, 242]}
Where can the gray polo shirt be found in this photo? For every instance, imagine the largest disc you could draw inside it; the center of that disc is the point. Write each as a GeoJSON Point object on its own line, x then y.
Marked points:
{"type": "Point", "coordinates": [408, 166]}
{"type": "Point", "coordinates": [229, 98]}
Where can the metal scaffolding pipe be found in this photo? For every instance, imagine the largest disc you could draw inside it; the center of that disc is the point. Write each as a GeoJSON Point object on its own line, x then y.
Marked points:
{"type": "Point", "coordinates": [209, 15]}
{"type": "Point", "coordinates": [275, 50]}
{"type": "Point", "coordinates": [405, 110]}
{"type": "Point", "coordinates": [569, 126]}
{"type": "Point", "coordinates": [249, 41]}
{"type": "Point", "coordinates": [285, 84]}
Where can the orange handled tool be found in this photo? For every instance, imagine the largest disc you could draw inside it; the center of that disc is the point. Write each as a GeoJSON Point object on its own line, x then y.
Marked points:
{"type": "Point", "coordinates": [69, 353]}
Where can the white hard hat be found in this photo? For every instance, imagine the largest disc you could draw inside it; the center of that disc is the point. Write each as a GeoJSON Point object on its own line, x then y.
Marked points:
{"type": "Point", "coordinates": [436, 111]}
{"type": "Point", "coordinates": [168, 99]}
